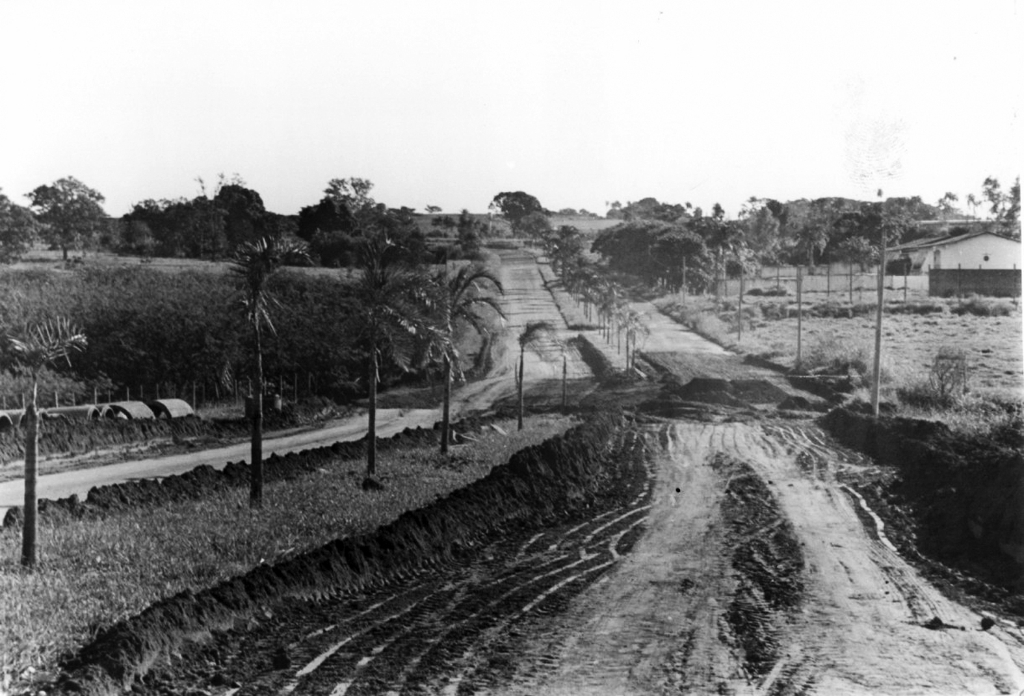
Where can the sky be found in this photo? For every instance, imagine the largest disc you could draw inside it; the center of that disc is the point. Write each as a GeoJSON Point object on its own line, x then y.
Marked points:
{"type": "Point", "coordinates": [577, 102]}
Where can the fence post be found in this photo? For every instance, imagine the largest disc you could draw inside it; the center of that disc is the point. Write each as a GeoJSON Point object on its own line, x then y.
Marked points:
{"type": "Point", "coordinates": [851, 283]}
{"type": "Point", "coordinates": [56, 399]}
{"type": "Point", "coordinates": [127, 394]}
{"type": "Point", "coordinates": [95, 396]}
{"type": "Point", "coordinates": [739, 312]}
{"type": "Point", "coordinates": [828, 281]}
{"type": "Point", "coordinates": [799, 315]}
{"type": "Point", "coordinates": [684, 279]}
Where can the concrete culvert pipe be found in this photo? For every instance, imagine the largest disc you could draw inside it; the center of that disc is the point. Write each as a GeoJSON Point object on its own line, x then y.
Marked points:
{"type": "Point", "coordinates": [131, 410]}
{"type": "Point", "coordinates": [170, 408]}
{"type": "Point", "coordinates": [88, 412]}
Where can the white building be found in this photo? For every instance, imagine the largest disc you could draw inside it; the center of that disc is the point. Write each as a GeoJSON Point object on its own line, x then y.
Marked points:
{"type": "Point", "coordinates": [979, 249]}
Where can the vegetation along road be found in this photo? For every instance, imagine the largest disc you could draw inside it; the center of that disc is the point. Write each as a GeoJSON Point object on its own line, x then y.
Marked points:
{"type": "Point", "coordinates": [730, 556]}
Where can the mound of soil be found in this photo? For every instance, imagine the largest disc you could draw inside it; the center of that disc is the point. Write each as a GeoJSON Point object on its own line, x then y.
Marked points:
{"type": "Point", "coordinates": [560, 478]}
{"type": "Point", "coordinates": [962, 497]}
{"type": "Point", "coordinates": [204, 480]}
{"type": "Point", "coordinates": [739, 393]}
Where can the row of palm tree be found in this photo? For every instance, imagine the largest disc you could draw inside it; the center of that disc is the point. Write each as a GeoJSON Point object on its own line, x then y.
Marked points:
{"type": "Point", "coordinates": [599, 295]}
{"type": "Point", "coordinates": [404, 315]}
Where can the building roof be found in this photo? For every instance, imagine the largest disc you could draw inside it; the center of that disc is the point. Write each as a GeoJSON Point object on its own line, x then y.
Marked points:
{"type": "Point", "coordinates": [946, 239]}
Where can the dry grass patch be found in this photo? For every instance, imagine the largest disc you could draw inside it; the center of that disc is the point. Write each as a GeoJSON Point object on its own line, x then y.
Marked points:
{"type": "Point", "coordinates": [94, 573]}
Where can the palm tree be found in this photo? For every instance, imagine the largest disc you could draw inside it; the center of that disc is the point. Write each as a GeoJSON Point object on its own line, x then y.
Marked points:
{"type": "Point", "coordinates": [392, 307]}
{"type": "Point", "coordinates": [43, 344]}
{"type": "Point", "coordinates": [530, 336]}
{"type": "Point", "coordinates": [253, 263]}
{"type": "Point", "coordinates": [459, 298]}
{"type": "Point", "coordinates": [635, 325]}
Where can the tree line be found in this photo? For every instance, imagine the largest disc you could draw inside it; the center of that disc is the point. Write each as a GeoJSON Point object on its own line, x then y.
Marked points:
{"type": "Point", "coordinates": [68, 215]}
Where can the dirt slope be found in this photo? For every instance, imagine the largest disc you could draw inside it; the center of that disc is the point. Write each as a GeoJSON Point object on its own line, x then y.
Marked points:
{"type": "Point", "coordinates": [661, 621]}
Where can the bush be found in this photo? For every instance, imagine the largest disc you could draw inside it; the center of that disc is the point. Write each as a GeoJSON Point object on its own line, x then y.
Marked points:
{"type": "Point", "coordinates": [946, 384]}
{"type": "Point", "coordinates": [982, 307]}
{"type": "Point", "coordinates": [828, 354]}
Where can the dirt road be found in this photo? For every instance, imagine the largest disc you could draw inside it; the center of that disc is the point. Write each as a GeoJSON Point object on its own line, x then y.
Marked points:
{"type": "Point", "coordinates": [679, 615]}
{"type": "Point", "coordinates": [741, 565]}
{"type": "Point", "coordinates": [525, 300]}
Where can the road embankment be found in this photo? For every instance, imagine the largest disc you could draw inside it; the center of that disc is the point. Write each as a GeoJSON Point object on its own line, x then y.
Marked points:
{"type": "Point", "coordinates": [555, 480]}
{"type": "Point", "coordinates": [963, 497]}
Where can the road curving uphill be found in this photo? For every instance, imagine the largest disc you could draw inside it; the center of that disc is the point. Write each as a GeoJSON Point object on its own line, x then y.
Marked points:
{"type": "Point", "coordinates": [589, 483]}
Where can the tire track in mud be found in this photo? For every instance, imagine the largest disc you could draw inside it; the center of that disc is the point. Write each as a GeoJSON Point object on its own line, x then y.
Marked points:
{"type": "Point", "coordinates": [456, 632]}
{"type": "Point", "coordinates": [867, 612]}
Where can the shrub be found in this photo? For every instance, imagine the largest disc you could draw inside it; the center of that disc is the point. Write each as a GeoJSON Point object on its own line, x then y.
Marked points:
{"type": "Point", "coordinates": [829, 354]}
{"type": "Point", "coordinates": [946, 384]}
{"type": "Point", "coordinates": [982, 307]}
{"type": "Point", "coordinates": [709, 325]}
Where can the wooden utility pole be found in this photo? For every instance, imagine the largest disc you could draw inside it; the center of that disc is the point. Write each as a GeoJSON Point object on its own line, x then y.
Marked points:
{"type": "Point", "coordinates": [739, 312]}
{"type": "Point", "coordinates": [876, 378]}
{"type": "Point", "coordinates": [799, 315]}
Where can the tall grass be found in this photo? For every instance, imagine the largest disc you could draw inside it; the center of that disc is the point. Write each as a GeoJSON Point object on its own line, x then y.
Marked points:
{"type": "Point", "coordinates": [94, 573]}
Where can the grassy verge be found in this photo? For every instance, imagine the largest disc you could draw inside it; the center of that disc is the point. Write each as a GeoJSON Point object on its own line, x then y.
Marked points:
{"type": "Point", "coordinates": [95, 573]}
{"type": "Point", "coordinates": [572, 313]}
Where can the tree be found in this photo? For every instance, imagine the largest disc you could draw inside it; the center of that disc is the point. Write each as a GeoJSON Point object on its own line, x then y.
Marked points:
{"type": "Point", "coordinates": [245, 217]}
{"type": "Point", "coordinates": [530, 336]}
{"type": "Point", "coordinates": [469, 236]}
{"type": "Point", "coordinates": [564, 247]}
{"type": "Point", "coordinates": [947, 204]}
{"type": "Point", "coordinates": [253, 263]}
{"type": "Point", "coordinates": [433, 209]}
{"type": "Point", "coordinates": [635, 325]}
{"type": "Point", "coordinates": [390, 313]}
{"type": "Point", "coordinates": [514, 206]}
{"type": "Point", "coordinates": [17, 230]}
{"type": "Point", "coordinates": [761, 230]}
{"type": "Point", "coordinates": [973, 202]}
{"type": "Point", "coordinates": [354, 192]}
{"type": "Point", "coordinates": [329, 215]}
{"type": "Point", "coordinates": [42, 345]}
{"type": "Point", "coordinates": [460, 297]}
{"type": "Point", "coordinates": [535, 226]}
{"type": "Point", "coordinates": [70, 210]}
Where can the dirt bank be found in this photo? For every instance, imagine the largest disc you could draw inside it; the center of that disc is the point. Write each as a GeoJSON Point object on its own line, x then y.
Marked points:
{"type": "Point", "coordinates": [539, 485]}
{"type": "Point", "coordinates": [204, 480]}
{"type": "Point", "coordinates": [960, 499]}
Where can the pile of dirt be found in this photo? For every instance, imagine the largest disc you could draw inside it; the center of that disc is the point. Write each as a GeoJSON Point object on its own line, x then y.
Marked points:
{"type": "Point", "coordinates": [768, 562]}
{"type": "Point", "coordinates": [739, 393]}
{"type": "Point", "coordinates": [205, 480]}
{"type": "Point", "coordinates": [552, 481]}
{"type": "Point", "coordinates": [963, 498]}
{"type": "Point", "coordinates": [597, 361]}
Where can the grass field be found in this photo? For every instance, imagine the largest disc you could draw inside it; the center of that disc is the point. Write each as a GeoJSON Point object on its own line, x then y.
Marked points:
{"type": "Point", "coordinates": [93, 573]}
{"type": "Point", "coordinates": [994, 345]}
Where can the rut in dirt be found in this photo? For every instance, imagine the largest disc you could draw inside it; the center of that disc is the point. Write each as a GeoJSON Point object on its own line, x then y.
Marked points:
{"type": "Point", "coordinates": [452, 630]}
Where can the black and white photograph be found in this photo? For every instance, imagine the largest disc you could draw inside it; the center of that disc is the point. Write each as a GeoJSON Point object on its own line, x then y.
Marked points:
{"type": "Point", "coordinates": [522, 348]}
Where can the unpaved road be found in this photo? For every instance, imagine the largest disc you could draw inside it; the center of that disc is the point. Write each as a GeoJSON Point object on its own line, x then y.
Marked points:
{"type": "Point", "coordinates": [525, 300]}
{"type": "Point", "coordinates": [742, 565]}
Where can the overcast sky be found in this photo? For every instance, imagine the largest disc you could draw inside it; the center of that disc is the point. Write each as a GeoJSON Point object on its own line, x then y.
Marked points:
{"type": "Point", "coordinates": [448, 103]}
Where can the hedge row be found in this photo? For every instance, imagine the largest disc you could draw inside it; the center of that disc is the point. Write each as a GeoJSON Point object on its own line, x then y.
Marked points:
{"type": "Point", "coordinates": [556, 479]}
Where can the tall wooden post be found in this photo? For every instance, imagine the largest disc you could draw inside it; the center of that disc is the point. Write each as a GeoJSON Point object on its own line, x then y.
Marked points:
{"type": "Point", "coordinates": [739, 312]}
{"type": "Point", "coordinates": [876, 379]}
{"type": "Point", "coordinates": [799, 315]}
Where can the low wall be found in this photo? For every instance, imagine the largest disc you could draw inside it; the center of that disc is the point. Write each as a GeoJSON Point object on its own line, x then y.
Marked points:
{"type": "Point", "coordinates": [956, 282]}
